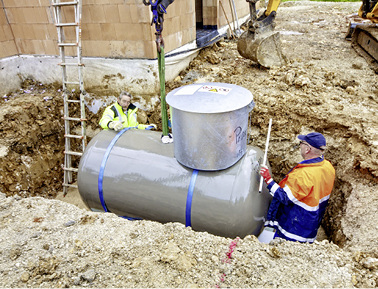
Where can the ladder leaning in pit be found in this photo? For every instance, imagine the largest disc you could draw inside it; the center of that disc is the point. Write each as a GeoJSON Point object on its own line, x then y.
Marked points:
{"type": "Point", "coordinates": [68, 22]}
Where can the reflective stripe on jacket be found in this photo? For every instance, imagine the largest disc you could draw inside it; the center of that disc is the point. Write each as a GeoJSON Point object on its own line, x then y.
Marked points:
{"type": "Point", "coordinates": [115, 112]}
{"type": "Point", "coordinates": [300, 200]}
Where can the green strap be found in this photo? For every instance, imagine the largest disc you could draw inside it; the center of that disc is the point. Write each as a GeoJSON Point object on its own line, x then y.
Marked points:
{"type": "Point", "coordinates": [164, 115]}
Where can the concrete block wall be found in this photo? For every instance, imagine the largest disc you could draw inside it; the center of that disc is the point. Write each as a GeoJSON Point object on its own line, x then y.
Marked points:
{"type": "Point", "coordinates": [214, 16]}
{"type": "Point", "coordinates": [198, 4]}
{"type": "Point", "coordinates": [210, 10]}
{"type": "Point", "coordinates": [117, 39]}
{"type": "Point", "coordinates": [117, 29]}
{"type": "Point", "coordinates": [110, 28]}
{"type": "Point", "coordinates": [7, 44]}
{"type": "Point", "coordinates": [26, 21]}
{"type": "Point", "coordinates": [242, 10]}
{"type": "Point", "coordinates": [179, 24]}
{"type": "Point", "coordinates": [226, 13]}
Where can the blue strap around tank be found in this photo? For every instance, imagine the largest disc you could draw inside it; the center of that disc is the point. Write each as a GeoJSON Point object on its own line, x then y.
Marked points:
{"type": "Point", "coordinates": [131, 218]}
{"type": "Point", "coordinates": [103, 164]}
{"type": "Point", "coordinates": [189, 197]}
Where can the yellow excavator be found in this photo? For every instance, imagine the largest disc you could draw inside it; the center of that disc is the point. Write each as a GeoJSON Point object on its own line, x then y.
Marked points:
{"type": "Point", "coordinates": [363, 32]}
{"type": "Point", "coordinates": [260, 42]}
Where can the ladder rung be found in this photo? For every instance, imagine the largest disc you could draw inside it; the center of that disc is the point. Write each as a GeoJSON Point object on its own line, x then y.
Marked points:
{"type": "Point", "coordinates": [72, 100]}
{"type": "Point", "coordinates": [73, 154]}
{"type": "Point", "coordinates": [65, 3]}
{"type": "Point", "coordinates": [66, 24]}
{"type": "Point", "coordinates": [67, 44]}
{"type": "Point", "coordinates": [74, 136]}
{"type": "Point", "coordinates": [71, 64]}
{"type": "Point", "coordinates": [74, 118]}
{"type": "Point", "coordinates": [75, 170]}
{"type": "Point", "coordinates": [69, 185]}
{"type": "Point", "coordinates": [72, 82]}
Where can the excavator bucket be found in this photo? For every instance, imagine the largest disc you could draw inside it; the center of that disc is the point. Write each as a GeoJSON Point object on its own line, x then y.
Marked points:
{"type": "Point", "coordinates": [264, 48]}
{"type": "Point", "coordinates": [260, 42]}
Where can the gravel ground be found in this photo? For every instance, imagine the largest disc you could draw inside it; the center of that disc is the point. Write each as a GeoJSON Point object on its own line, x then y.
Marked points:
{"type": "Point", "coordinates": [49, 243]}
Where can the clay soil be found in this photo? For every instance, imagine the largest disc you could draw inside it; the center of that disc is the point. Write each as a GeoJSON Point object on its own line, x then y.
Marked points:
{"type": "Point", "coordinates": [325, 86]}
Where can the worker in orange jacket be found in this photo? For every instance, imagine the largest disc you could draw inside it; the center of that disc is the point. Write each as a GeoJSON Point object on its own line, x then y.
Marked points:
{"type": "Point", "coordinates": [300, 199]}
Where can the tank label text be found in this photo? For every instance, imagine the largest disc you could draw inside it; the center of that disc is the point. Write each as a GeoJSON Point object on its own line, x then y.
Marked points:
{"type": "Point", "coordinates": [240, 134]}
{"type": "Point", "coordinates": [215, 89]}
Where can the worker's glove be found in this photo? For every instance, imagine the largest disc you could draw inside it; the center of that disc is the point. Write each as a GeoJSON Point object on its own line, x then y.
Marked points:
{"type": "Point", "coordinates": [116, 125]}
{"type": "Point", "coordinates": [167, 138]}
{"type": "Point", "coordinates": [264, 172]}
{"type": "Point", "coordinates": [111, 124]}
{"type": "Point", "coordinates": [152, 126]}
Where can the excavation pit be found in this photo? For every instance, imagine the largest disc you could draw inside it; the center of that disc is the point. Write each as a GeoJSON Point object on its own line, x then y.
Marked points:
{"type": "Point", "coordinates": [325, 87]}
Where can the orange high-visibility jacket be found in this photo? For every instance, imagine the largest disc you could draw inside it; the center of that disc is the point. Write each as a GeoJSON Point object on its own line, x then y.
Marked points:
{"type": "Point", "coordinates": [300, 200]}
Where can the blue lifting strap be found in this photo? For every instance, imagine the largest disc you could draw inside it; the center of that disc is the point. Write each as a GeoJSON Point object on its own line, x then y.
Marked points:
{"type": "Point", "coordinates": [188, 211]}
{"type": "Point", "coordinates": [103, 164]}
{"type": "Point", "coordinates": [131, 218]}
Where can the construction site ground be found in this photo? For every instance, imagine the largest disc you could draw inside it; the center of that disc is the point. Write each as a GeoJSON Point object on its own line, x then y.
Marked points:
{"type": "Point", "coordinates": [50, 241]}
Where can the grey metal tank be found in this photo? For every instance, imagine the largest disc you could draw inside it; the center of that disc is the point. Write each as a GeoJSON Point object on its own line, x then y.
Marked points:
{"type": "Point", "coordinates": [132, 173]}
{"type": "Point", "coordinates": [209, 124]}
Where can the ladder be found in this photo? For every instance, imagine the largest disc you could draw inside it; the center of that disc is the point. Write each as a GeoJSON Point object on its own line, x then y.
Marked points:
{"type": "Point", "coordinates": [67, 14]}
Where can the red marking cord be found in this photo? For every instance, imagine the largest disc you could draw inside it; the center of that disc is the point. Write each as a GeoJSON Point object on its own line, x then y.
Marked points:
{"type": "Point", "coordinates": [231, 249]}
{"type": "Point", "coordinates": [228, 259]}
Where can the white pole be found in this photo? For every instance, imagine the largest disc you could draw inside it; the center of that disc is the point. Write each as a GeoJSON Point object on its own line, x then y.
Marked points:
{"type": "Point", "coordinates": [266, 153]}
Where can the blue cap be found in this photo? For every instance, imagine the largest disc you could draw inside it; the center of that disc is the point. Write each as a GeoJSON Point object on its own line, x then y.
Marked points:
{"type": "Point", "coordinates": [315, 139]}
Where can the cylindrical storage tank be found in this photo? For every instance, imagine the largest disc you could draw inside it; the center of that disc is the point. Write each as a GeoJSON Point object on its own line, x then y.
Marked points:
{"type": "Point", "coordinates": [134, 174]}
{"type": "Point", "coordinates": [209, 124]}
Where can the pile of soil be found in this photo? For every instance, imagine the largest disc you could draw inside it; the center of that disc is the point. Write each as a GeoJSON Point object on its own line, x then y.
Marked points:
{"type": "Point", "coordinates": [324, 87]}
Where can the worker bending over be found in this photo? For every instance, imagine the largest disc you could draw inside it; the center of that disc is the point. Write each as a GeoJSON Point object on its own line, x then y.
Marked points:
{"type": "Point", "coordinates": [300, 199]}
{"type": "Point", "coordinates": [122, 114]}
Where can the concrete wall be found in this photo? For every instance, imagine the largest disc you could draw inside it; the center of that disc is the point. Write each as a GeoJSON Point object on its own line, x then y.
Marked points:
{"type": "Point", "coordinates": [110, 28]}
{"type": "Point", "coordinates": [226, 16]}
{"type": "Point", "coordinates": [7, 44]}
{"type": "Point", "coordinates": [139, 76]}
{"type": "Point", "coordinates": [32, 28]}
{"type": "Point", "coordinates": [118, 31]}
